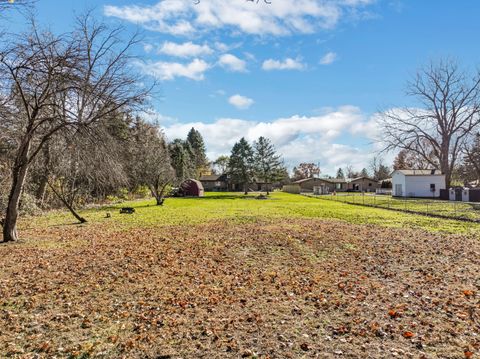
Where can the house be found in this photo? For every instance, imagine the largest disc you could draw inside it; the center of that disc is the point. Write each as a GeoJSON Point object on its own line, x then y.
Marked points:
{"type": "Point", "coordinates": [418, 183]}
{"type": "Point", "coordinates": [215, 182]}
{"type": "Point", "coordinates": [192, 188]}
{"type": "Point", "coordinates": [362, 184]}
{"type": "Point", "coordinates": [318, 185]}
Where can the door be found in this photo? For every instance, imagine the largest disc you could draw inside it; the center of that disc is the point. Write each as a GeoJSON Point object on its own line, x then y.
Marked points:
{"type": "Point", "coordinates": [398, 190]}
{"type": "Point", "coordinates": [458, 194]}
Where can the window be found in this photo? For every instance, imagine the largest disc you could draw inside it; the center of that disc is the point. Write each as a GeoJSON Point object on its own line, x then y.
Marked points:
{"type": "Point", "coordinates": [432, 187]}
{"type": "Point", "coordinates": [338, 186]}
{"type": "Point", "coordinates": [369, 185]}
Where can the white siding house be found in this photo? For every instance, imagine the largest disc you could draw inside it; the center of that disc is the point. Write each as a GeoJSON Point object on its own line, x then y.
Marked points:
{"type": "Point", "coordinates": [417, 183]}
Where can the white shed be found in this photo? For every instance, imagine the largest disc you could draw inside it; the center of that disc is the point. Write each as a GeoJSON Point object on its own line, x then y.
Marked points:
{"type": "Point", "coordinates": [417, 183]}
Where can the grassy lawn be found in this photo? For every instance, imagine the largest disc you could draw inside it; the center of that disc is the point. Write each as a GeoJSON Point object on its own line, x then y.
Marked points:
{"type": "Point", "coordinates": [459, 210]}
{"type": "Point", "coordinates": [230, 276]}
{"type": "Point", "coordinates": [240, 208]}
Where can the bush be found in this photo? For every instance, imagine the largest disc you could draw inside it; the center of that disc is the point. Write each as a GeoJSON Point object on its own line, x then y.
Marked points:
{"type": "Point", "coordinates": [28, 205]}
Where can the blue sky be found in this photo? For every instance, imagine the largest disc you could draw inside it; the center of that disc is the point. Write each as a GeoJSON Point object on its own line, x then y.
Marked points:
{"type": "Point", "coordinates": [309, 74]}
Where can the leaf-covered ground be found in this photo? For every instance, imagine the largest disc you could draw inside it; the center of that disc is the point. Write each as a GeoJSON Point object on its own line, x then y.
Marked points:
{"type": "Point", "coordinates": [262, 286]}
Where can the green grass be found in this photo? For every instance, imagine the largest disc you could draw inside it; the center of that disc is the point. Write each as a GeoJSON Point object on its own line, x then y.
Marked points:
{"type": "Point", "coordinates": [236, 207]}
{"type": "Point", "coordinates": [455, 210]}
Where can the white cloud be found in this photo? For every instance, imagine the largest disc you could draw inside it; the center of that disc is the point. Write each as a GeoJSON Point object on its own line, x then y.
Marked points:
{"type": "Point", "coordinates": [147, 47]}
{"type": "Point", "coordinates": [240, 102]}
{"type": "Point", "coordinates": [170, 70]}
{"type": "Point", "coordinates": [279, 18]}
{"type": "Point", "coordinates": [187, 49]}
{"type": "Point", "coordinates": [298, 138]}
{"type": "Point", "coordinates": [232, 63]}
{"type": "Point", "coordinates": [328, 58]}
{"type": "Point", "coordinates": [287, 64]}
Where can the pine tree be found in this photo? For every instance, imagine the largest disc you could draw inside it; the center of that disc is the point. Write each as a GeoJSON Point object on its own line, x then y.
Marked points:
{"type": "Point", "coordinates": [340, 174]}
{"type": "Point", "coordinates": [364, 173]}
{"type": "Point", "coordinates": [241, 163]}
{"type": "Point", "coordinates": [268, 166]}
{"type": "Point", "coordinates": [378, 168]}
{"type": "Point", "coordinates": [180, 156]}
{"type": "Point", "coordinates": [196, 147]}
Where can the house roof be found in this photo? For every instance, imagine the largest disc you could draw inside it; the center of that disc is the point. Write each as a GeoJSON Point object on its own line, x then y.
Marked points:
{"type": "Point", "coordinates": [336, 180]}
{"type": "Point", "coordinates": [431, 172]}
{"type": "Point", "coordinates": [312, 178]}
{"type": "Point", "coordinates": [210, 178]}
{"type": "Point", "coordinates": [361, 178]}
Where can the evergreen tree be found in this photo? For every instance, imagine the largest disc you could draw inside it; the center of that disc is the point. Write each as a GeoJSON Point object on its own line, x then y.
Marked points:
{"type": "Point", "coordinates": [268, 166]}
{"type": "Point", "coordinates": [241, 163]}
{"type": "Point", "coordinates": [400, 161]}
{"type": "Point", "coordinates": [379, 169]}
{"type": "Point", "coordinates": [340, 174]}
{"type": "Point", "coordinates": [383, 172]}
{"type": "Point", "coordinates": [364, 173]}
{"type": "Point", "coordinates": [180, 156]}
{"type": "Point", "coordinates": [196, 148]}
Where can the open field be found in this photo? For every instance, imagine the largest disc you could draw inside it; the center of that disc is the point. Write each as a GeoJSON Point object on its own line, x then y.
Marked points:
{"type": "Point", "coordinates": [231, 276]}
{"type": "Point", "coordinates": [449, 209]}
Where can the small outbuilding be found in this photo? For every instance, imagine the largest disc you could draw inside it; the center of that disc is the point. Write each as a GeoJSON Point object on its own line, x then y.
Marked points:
{"type": "Point", "coordinates": [418, 183]}
{"type": "Point", "coordinates": [307, 185]}
{"type": "Point", "coordinates": [192, 188]}
{"type": "Point", "coordinates": [362, 184]}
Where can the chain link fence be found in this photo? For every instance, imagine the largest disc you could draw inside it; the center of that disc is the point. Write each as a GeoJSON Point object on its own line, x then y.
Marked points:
{"type": "Point", "coordinates": [466, 211]}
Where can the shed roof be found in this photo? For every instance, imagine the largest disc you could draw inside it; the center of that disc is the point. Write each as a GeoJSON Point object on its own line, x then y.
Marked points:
{"type": "Point", "coordinates": [361, 178]}
{"type": "Point", "coordinates": [431, 172]}
{"type": "Point", "coordinates": [314, 179]}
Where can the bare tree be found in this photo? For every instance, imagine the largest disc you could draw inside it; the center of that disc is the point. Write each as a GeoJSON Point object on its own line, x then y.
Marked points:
{"type": "Point", "coordinates": [7, 5]}
{"type": "Point", "coordinates": [150, 160]}
{"type": "Point", "coordinates": [54, 83]}
{"type": "Point", "coordinates": [81, 164]}
{"type": "Point", "coordinates": [449, 113]}
{"type": "Point", "coordinates": [306, 170]}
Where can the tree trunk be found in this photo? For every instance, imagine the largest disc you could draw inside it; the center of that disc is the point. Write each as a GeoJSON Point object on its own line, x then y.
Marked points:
{"type": "Point", "coordinates": [445, 169]}
{"type": "Point", "coordinates": [69, 207]}
{"type": "Point", "coordinates": [42, 190]}
{"type": "Point", "coordinates": [158, 195]}
{"type": "Point", "coordinates": [18, 180]}
{"type": "Point", "coordinates": [159, 200]}
{"type": "Point", "coordinates": [245, 188]}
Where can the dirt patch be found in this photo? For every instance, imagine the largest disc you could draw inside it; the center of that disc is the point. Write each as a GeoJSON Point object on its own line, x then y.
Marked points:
{"type": "Point", "coordinates": [293, 288]}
